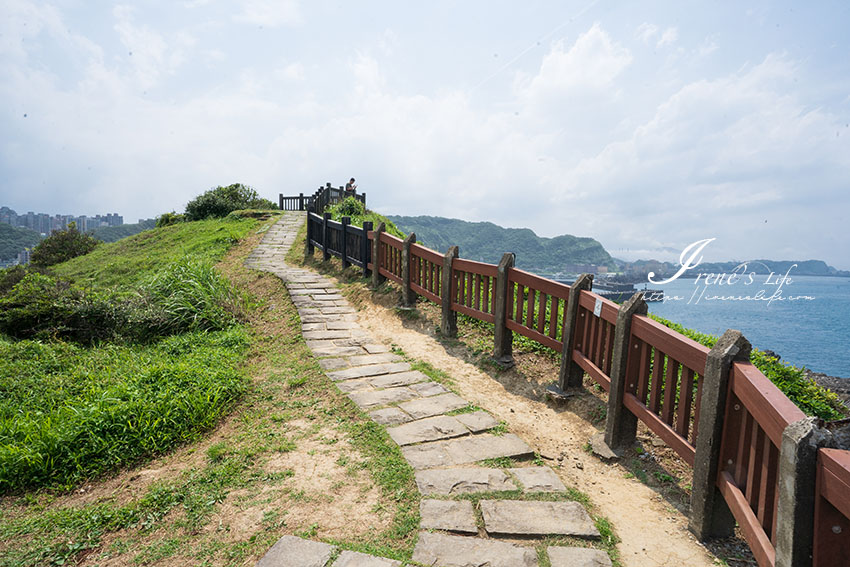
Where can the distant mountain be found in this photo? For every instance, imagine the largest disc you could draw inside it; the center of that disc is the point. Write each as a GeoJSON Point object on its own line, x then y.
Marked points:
{"type": "Point", "coordinates": [113, 233]}
{"type": "Point", "coordinates": [486, 242]}
{"type": "Point", "coordinates": [802, 268]}
{"type": "Point", "coordinates": [14, 239]}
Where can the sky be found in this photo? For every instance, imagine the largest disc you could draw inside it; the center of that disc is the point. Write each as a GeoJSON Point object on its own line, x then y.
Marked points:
{"type": "Point", "coordinates": [645, 125]}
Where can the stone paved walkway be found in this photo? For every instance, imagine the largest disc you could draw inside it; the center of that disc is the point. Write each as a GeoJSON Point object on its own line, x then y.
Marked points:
{"type": "Point", "coordinates": [442, 445]}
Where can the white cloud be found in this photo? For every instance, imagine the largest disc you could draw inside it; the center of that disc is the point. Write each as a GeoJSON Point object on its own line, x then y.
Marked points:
{"type": "Point", "coordinates": [270, 13]}
{"type": "Point", "coordinates": [646, 31]}
{"type": "Point", "coordinates": [669, 37]}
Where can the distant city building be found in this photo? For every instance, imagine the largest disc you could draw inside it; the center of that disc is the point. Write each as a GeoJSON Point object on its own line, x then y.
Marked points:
{"type": "Point", "coordinates": [24, 256]}
{"type": "Point", "coordinates": [45, 224]}
{"type": "Point", "coordinates": [585, 269]}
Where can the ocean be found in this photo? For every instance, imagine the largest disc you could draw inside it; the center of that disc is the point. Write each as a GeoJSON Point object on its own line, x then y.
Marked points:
{"type": "Point", "coordinates": [804, 319]}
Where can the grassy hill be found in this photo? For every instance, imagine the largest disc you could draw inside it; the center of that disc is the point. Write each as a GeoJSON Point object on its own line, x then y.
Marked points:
{"type": "Point", "coordinates": [114, 233]}
{"type": "Point", "coordinates": [486, 242]}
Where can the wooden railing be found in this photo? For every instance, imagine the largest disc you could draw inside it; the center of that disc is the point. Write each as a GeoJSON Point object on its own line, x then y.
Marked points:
{"type": "Point", "coordinates": [318, 201]}
{"type": "Point", "coordinates": [735, 439]}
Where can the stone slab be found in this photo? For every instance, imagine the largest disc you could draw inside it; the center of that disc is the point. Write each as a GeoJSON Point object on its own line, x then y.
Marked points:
{"type": "Point", "coordinates": [291, 551]}
{"type": "Point", "coordinates": [464, 450]}
{"type": "Point", "coordinates": [337, 325]}
{"type": "Point", "coordinates": [428, 429]}
{"type": "Point", "coordinates": [374, 348]}
{"type": "Point", "coordinates": [436, 405]}
{"type": "Point", "coordinates": [374, 398]}
{"type": "Point", "coordinates": [538, 479]}
{"type": "Point", "coordinates": [399, 379]}
{"type": "Point", "coordinates": [427, 389]}
{"type": "Point", "coordinates": [577, 557]}
{"type": "Point", "coordinates": [390, 416]}
{"type": "Point", "coordinates": [355, 385]}
{"type": "Point", "coordinates": [333, 363]}
{"type": "Point", "coordinates": [335, 310]}
{"type": "Point", "coordinates": [369, 370]}
{"type": "Point", "coordinates": [477, 421]}
{"type": "Point", "coordinates": [336, 351]}
{"type": "Point", "coordinates": [323, 335]}
{"type": "Point", "coordinates": [515, 517]}
{"type": "Point", "coordinates": [355, 559]}
{"type": "Point", "coordinates": [459, 551]}
{"type": "Point", "coordinates": [380, 358]}
{"type": "Point", "coordinates": [450, 515]}
{"type": "Point", "coordinates": [462, 481]}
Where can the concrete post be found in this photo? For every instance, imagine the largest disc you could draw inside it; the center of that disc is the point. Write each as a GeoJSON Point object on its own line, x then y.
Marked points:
{"type": "Point", "coordinates": [326, 254]}
{"type": "Point", "coordinates": [364, 247]}
{"type": "Point", "coordinates": [795, 510]}
{"type": "Point", "coordinates": [343, 246]}
{"type": "Point", "coordinates": [300, 202]}
{"type": "Point", "coordinates": [407, 295]}
{"type": "Point", "coordinates": [710, 516]}
{"type": "Point", "coordinates": [377, 278]}
{"type": "Point", "coordinates": [620, 423]}
{"type": "Point", "coordinates": [448, 324]}
{"type": "Point", "coordinates": [571, 374]}
{"type": "Point", "coordinates": [503, 337]}
{"type": "Point", "coordinates": [280, 200]}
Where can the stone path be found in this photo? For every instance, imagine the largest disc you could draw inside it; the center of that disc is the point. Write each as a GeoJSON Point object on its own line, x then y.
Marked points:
{"type": "Point", "coordinates": [438, 435]}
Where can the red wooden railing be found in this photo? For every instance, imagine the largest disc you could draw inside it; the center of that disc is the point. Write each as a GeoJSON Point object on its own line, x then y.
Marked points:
{"type": "Point", "coordinates": [663, 388]}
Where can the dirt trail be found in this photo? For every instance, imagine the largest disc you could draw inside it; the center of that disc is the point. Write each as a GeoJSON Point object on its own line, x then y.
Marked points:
{"type": "Point", "coordinates": [652, 531]}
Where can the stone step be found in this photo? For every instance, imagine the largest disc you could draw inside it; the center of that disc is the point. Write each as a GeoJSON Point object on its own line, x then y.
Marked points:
{"type": "Point", "coordinates": [369, 370]}
{"type": "Point", "coordinates": [458, 551]}
{"type": "Point", "coordinates": [538, 479]}
{"type": "Point", "coordinates": [462, 481]}
{"type": "Point", "coordinates": [577, 557]}
{"type": "Point", "coordinates": [465, 450]}
{"type": "Point", "coordinates": [436, 405]}
{"type": "Point", "coordinates": [449, 515]}
{"type": "Point", "coordinates": [516, 517]}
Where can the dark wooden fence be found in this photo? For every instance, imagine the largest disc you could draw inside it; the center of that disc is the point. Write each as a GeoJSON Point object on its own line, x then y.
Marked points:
{"type": "Point", "coordinates": [317, 202]}
{"type": "Point", "coordinates": [754, 454]}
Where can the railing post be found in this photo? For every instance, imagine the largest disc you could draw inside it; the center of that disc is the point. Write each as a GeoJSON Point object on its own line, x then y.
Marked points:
{"type": "Point", "coordinates": [407, 295]}
{"type": "Point", "coordinates": [620, 423]}
{"type": "Point", "coordinates": [280, 200]}
{"type": "Point", "coordinates": [448, 324]}
{"type": "Point", "coordinates": [310, 236]}
{"type": "Point", "coordinates": [377, 278]}
{"type": "Point", "coordinates": [364, 247]}
{"type": "Point", "coordinates": [795, 508]}
{"type": "Point", "coordinates": [571, 374]}
{"type": "Point", "coordinates": [326, 254]}
{"type": "Point", "coordinates": [300, 201]}
{"type": "Point", "coordinates": [710, 516]}
{"type": "Point", "coordinates": [344, 244]}
{"type": "Point", "coordinates": [503, 337]}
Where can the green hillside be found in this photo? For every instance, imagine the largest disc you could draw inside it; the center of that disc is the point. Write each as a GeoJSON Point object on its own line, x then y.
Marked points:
{"type": "Point", "coordinates": [14, 239]}
{"type": "Point", "coordinates": [486, 242]}
{"type": "Point", "coordinates": [113, 233]}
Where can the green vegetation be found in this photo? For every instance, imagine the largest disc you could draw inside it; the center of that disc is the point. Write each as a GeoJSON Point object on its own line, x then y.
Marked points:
{"type": "Point", "coordinates": [351, 207]}
{"type": "Point", "coordinates": [114, 233]}
{"type": "Point", "coordinates": [128, 262]}
{"type": "Point", "coordinates": [221, 201]}
{"type": "Point", "coordinates": [813, 399]}
{"type": "Point", "coordinates": [62, 245]}
{"type": "Point", "coordinates": [14, 239]}
{"type": "Point", "coordinates": [486, 242]}
{"type": "Point", "coordinates": [69, 413]}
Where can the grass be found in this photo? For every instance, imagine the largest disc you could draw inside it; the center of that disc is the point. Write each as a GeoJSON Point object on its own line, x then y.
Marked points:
{"type": "Point", "coordinates": [289, 410]}
{"type": "Point", "coordinates": [127, 262]}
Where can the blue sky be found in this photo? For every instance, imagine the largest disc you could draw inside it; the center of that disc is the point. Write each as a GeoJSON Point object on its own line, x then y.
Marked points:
{"type": "Point", "coordinates": [647, 125]}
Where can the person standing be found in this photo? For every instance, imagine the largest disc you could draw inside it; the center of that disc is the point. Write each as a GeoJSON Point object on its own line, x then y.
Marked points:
{"type": "Point", "coordinates": [350, 187]}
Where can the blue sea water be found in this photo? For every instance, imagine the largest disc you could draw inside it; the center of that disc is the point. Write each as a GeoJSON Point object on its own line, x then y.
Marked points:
{"type": "Point", "coordinates": [814, 333]}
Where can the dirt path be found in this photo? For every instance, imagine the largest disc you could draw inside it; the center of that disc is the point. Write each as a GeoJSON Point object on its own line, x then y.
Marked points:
{"type": "Point", "coordinates": [651, 530]}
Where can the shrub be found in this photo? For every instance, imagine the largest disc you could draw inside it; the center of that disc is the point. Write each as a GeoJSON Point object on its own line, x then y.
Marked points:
{"type": "Point", "coordinates": [62, 245]}
{"type": "Point", "coordinates": [194, 296]}
{"type": "Point", "coordinates": [166, 219]}
{"type": "Point", "coordinates": [351, 207]}
{"type": "Point", "coordinates": [221, 201]}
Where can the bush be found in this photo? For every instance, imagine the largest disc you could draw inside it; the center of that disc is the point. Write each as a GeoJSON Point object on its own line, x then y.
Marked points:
{"type": "Point", "coordinates": [194, 296]}
{"type": "Point", "coordinates": [351, 207]}
{"type": "Point", "coordinates": [62, 245]}
{"type": "Point", "coordinates": [166, 219]}
{"type": "Point", "coordinates": [221, 201]}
